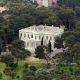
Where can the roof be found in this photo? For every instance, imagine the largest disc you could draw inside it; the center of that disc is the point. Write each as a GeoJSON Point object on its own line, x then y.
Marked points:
{"type": "Point", "coordinates": [44, 29]}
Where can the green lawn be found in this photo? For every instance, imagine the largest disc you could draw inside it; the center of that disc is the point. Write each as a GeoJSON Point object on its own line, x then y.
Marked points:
{"type": "Point", "coordinates": [18, 70]}
{"type": "Point", "coordinates": [1, 1]}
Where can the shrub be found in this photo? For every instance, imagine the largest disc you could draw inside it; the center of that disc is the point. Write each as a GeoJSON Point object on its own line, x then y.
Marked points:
{"type": "Point", "coordinates": [52, 73]}
{"type": "Point", "coordinates": [15, 65]}
{"type": "Point", "coordinates": [71, 69]}
{"type": "Point", "coordinates": [18, 76]}
{"type": "Point", "coordinates": [29, 72]}
{"type": "Point", "coordinates": [60, 72]}
{"type": "Point", "coordinates": [28, 52]}
{"type": "Point", "coordinates": [73, 77]}
{"type": "Point", "coordinates": [25, 65]}
{"type": "Point", "coordinates": [66, 76]}
{"type": "Point", "coordinates": [42, 71]}
{"type": "Point", "coordinates": [54, 57]}
{"type": "Point", "coordinates": [12, 75]}
{"type": "Point", "coordinates": [2, 4]}
{"type": "Point", "coordinates": [77, 62]}
{"type": "Point", "coordinates": [78, 78]}
{"type": "Point", "coordinates": [56, 71]}
{"type": "Point", "coordinates": [0, 75]}
{"type": "Point", "coordinates": [43, 77]}
{"type": "Point", "coordinates": [25, 71]}
{"type": "Point", "coordinates": [78, 71]}
{"type": "Point", "coordinates": [28, 77]}
{"type": "Point", "coordinates": [48, 66]}
{"type": "Point", "coordinates": [33, 68]}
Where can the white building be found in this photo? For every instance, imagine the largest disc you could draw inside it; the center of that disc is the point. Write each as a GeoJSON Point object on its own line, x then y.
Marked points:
{"type": "Point", "coordinates": [3, 9]}
{"type": "Point", "coordinates": [32, 35]}
{"type": "Point", "coordinates": [45, 3]}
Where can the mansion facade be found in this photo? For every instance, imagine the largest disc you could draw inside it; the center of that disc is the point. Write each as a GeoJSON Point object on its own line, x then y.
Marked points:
{"type": "Point", "coordinates": [32, 35]}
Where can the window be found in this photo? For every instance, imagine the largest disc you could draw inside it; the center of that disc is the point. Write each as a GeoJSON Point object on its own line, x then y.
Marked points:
{"type": "Point", "coordinates": [31, 36]}
{"type": "Point", "coordinates": [28, 35]}
{"type": "Point", "coordinates": [27, 44]}
{"type": "Point", "coordinates": [39, 37]}
{"type": "Point", "coordinates": [46, 44]}
{"type": "Point", "coordinates": [21, 35]}
{"type": "Point", "coordinates": [50, 38]}
{"type": "Point", "coordinates": [24, 35]}
{"type": "Point", "coordinates": [35, 37]}
{"type": "Point", "coordinates": [43, 37]}
{"type": "Point", "coordinates": [46, 37]}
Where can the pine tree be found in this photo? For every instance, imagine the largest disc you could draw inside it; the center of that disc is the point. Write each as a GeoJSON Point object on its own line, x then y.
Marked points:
{"type": "Point", "coordinates": [42, 41]}
{"type": "Point", "coordinates": [49, 46]}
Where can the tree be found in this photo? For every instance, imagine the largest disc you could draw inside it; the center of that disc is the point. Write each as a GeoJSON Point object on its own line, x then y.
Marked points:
{"type": "Point", "coordinates": [68, 18]}
{"type": "Point", "coordinates": [69, 3]}
{"type": "Point", "coordinates": [16, 24]}
{"type": "Point", "coordinates": [7, 71]}
{"type": "Point", "coordinates": [49, 46]}
{"type": "Point", "coordinates": [1, 43]}
{"type": "Point", "coordinates": [58, 42]}
{"type": "Point", "coordinates": [27, 52]}
{"type": "Point", "coordinates": [17, 45]}
{"type": "Point", "coordinates": [8, 59]}
{"type": "Point", "coordinates": [2, 39]}
{"type": "Point", "coordinates": [29, 19]}
{"type": "Point", "coordinates": [77, 11]}
{"type": "Point", "coordinates": [42, 41]}
{"type": "Point", "coordinates": [24, 53]}
{"type": "Point", "coordinates": [76, 50]}
{"type": "Point", "coordinates": [43, 14]}
{"type": "Point", "coordinates": [41, 52]}
{"type": "Point", "coordinates": [53, 20]}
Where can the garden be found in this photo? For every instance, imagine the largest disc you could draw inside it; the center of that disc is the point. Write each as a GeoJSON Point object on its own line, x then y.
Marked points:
{"type": "Point", "coordinates": [56, 72]}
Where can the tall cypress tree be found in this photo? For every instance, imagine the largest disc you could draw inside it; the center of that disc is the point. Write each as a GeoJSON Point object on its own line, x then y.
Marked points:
{"type": "Point", "coordinates": [49, 46]}
{"type": "Point", "coordinates": [42, 41]}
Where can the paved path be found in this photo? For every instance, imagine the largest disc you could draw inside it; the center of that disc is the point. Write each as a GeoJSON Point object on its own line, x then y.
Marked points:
{"type": "Point", "coordinates": [43, 62]}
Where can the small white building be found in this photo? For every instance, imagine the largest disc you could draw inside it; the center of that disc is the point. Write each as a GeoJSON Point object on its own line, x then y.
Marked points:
{"type": "Point", "coordinates": [3, 9]}
{"type": "Point", "coordinates": [32, 35]}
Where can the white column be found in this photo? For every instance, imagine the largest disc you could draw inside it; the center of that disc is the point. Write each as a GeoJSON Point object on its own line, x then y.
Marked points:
{"type": "Point", "coordinates": [29, 44]}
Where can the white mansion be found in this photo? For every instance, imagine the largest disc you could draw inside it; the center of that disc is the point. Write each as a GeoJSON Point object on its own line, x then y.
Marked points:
{"type": "Point", "coordinates": [32, 35]}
